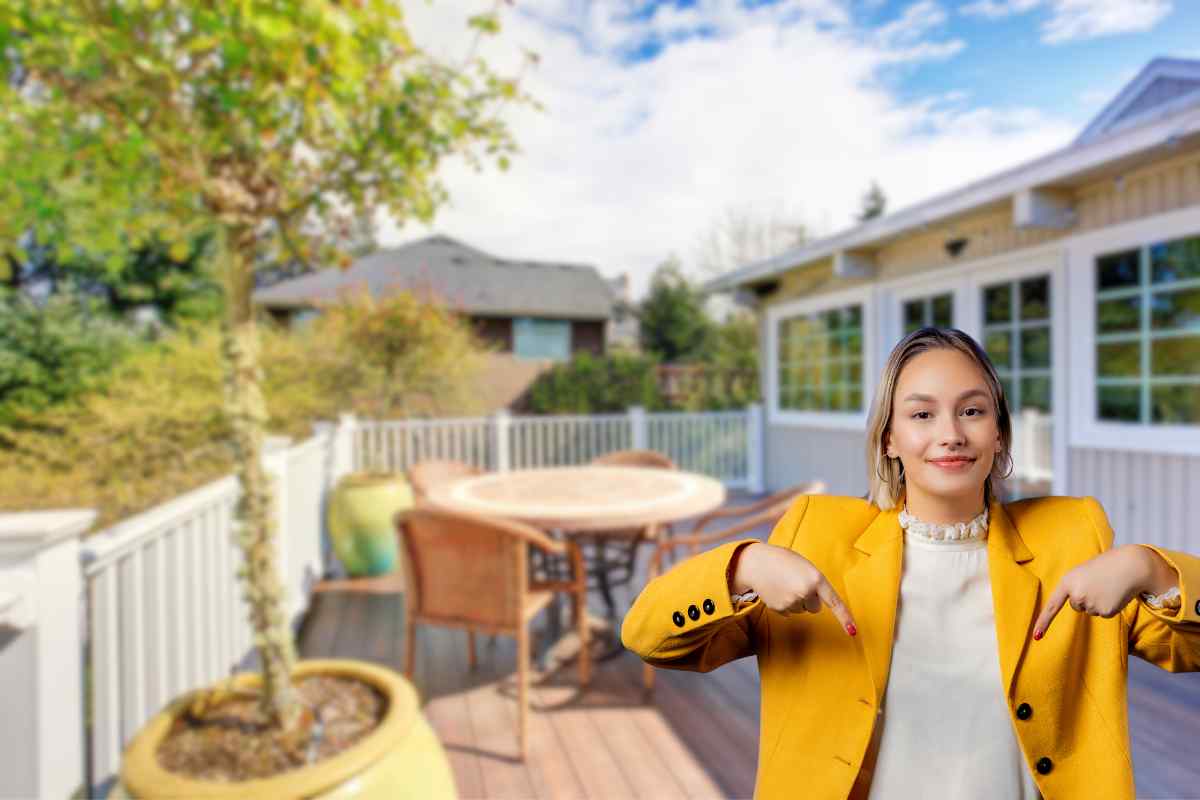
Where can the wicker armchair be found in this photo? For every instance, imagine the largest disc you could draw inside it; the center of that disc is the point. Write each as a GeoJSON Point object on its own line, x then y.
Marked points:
{"type": "Point", "coordinates": [470, 572]}
{"type": "Point", "coordinates": [765, 511]}
{"type": "Point", "coordinates": [425, 474]}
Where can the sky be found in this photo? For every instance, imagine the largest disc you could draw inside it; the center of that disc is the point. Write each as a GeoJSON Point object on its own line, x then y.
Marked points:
{"type": "Point", "coordinates": [661, 118]}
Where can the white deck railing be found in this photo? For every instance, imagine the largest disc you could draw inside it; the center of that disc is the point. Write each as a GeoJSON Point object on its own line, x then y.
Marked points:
{"type": "Point", "coordinates": [1033, 445]}
{"type": "Point", "coordinates": [726, 445]}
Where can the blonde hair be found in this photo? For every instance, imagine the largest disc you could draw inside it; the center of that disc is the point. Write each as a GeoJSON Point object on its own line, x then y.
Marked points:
{"type": "Point", "coordinates": [885, 476]}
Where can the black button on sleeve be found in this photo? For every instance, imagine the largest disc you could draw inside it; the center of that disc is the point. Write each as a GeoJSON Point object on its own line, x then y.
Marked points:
{"type": "Point", "coordinates": [693, 612]}
{"type": "Point", "coordinates": [709, 607]}
{"type": "Point", "coordinates": [677, 618]}
{"type": "Point", "coordinates": [1044, 765]}
{"type": "Point", "coordinates": [1024, 711]}
{"type": "Point", "coordinates": [1198, 606]}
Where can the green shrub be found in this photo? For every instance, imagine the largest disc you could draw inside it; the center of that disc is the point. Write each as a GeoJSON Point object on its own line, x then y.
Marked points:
{"type": "Point", "coordinates": [589, 385]}
{"type": "Point", "coordinates": [54, 352]}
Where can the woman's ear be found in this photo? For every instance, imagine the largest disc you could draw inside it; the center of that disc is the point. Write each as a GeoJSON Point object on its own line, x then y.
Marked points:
{"type": "Point", "coordinates": [887, 445]}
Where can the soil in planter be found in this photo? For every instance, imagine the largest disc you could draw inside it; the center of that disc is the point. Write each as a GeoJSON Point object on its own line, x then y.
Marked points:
{"type": "Point", "coordinates": [233, 742]}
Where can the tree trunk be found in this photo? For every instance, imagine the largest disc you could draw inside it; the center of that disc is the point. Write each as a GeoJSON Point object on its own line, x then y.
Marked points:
{"type": "Point", "coordinates": [254, 518]}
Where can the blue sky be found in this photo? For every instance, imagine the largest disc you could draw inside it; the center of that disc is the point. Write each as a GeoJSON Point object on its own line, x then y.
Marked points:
{"type": "Point", "coordinates": [664, 119]}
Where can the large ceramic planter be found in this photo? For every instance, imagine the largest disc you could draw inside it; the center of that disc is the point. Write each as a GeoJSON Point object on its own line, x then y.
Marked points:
{"type": "Point", "coordinates": [360, 518]}
{"type": "Point", "coordinates": [400, 759]}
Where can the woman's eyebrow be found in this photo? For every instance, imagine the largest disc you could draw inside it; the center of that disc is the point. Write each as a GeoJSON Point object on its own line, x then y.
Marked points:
{"type": "Point", "coordinates": [924, 398]}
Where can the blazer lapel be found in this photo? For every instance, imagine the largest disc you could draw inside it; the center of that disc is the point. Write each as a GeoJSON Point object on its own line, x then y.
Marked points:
{"type": "Point", "coordinates": [1014, 591]}
{"type": "Point", "coordinates": [873, 590]}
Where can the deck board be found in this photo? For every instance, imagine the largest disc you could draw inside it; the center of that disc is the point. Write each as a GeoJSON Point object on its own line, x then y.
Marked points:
{"type": "Point", "coordinates": [695, 737]}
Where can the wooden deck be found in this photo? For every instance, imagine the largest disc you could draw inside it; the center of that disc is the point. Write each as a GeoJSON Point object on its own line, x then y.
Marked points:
{"type": "Point", "coordinates": [696, 737]}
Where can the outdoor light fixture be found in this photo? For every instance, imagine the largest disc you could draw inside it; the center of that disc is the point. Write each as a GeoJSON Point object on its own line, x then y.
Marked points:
{"type": "Point", "coordinates": [955, 246]}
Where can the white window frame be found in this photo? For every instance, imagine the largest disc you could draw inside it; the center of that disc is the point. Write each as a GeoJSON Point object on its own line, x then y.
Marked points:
{"type": "Point", "coordinates": [954, 283]}
{"type": "Point", "coordinates": [839, 420]}
{"type": "Point", "coordinates": [1086, 429]}
{"type": "Point", "coordinates": [1053, 263]}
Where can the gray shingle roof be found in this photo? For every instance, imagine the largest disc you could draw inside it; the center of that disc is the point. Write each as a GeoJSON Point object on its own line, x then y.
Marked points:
{"type": "Point", "coordinates": [468, 279]}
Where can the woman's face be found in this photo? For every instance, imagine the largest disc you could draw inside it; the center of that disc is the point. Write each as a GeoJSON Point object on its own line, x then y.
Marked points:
{"type": "Point", "coordinates": [942, 410]}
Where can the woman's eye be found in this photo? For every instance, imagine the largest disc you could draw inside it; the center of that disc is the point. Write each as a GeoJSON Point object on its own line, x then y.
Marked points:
{"type": "Point", "coordinates": [978, 411]}
{"type": "Point", "coordinates": [919, 413]}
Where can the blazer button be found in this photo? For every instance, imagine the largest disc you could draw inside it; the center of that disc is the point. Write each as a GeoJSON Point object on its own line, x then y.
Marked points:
{"type": "Point", "coordinates": [709, 607]}
{"type": "Point", "coordinates": [693, 612]}
{"type": "Point", "coordinates": [1198, 606]}
{"type": "Point", "coordinates": [1024, 711]}
{"type": "Point", "coordinates": [677, 618]}
{"type": "Point", "coordinates": [1044, 765]}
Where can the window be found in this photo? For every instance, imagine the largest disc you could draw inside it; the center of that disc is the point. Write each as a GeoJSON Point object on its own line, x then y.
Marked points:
{"type": "Point", "coordinates": [1016, 336]}
{"type": "Point", "coordinates": [1148, 334]}
{"type": "Point", "coordinates": [936, 311]}
{"type": "Point", "coordinates": [541, 338]}
{"type": "Point", "coordinates": [820, 365]}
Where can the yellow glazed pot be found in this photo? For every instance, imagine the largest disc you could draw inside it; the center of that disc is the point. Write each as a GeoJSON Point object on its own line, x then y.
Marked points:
{"type": "Point", "coordinates": [401, 759]}
{"type": "Point", "coordinates": [360, 520]}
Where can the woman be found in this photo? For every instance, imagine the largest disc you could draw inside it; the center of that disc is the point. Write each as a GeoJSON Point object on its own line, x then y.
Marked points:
{"type": "Point", "coordinates": [913, 645]}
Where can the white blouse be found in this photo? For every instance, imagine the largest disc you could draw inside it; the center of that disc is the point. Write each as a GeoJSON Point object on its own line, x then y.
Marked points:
{"type": "Point", "coordinates": [946, 729]}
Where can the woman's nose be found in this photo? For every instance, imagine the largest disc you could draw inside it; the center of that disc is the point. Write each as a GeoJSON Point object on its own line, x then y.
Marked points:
{"type": "Point", "coordinates": [950, 432]}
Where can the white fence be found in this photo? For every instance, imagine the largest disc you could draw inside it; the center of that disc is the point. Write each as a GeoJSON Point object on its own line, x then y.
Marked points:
{"type": "Point", "coordinates": [725, 445]}
{"type": "Point", "coordinates": [157, 595]}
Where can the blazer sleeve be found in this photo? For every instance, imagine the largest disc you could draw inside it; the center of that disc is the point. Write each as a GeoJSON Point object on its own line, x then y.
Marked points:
{"type": "Point", "coordinates": [652, 630]}
{"type": "Point", "coordinates": [1167, 638]}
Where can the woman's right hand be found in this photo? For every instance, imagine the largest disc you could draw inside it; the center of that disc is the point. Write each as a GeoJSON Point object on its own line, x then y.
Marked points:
{"type": "Point", "coordinates": [788, 582]}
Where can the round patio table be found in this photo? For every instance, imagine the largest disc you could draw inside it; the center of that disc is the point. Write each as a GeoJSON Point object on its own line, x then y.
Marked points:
{"type": "Point", "coordinates": [592, 502]}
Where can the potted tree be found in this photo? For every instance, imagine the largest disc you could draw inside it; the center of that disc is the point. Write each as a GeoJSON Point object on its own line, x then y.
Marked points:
{"type": "Point", "coordinates": [276, 127]}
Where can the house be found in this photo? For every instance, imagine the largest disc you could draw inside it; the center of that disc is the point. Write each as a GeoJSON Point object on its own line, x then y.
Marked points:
{"type": "Point", "coordinates": [1079, 273]}
{"type": "Point", "coordinates": [531, 309]}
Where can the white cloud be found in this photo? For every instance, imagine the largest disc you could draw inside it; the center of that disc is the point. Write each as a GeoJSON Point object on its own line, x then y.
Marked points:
{"type": "Point", "coordinates": [784, 106]}
{"type": "Point", "coordinates": [1072, 20]}
{"type": "Point", "coordinates": [1088, 19]}
{"type": "Point", "coordinates": [998, 9]}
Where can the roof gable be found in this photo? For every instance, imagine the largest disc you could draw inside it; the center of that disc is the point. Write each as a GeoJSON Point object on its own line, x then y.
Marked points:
{"type": "Point", "coordinates": [1164, 86]}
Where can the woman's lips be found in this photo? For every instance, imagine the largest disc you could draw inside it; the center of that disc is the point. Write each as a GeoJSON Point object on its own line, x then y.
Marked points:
{"type": "Point", "coordinates": [956, 465]}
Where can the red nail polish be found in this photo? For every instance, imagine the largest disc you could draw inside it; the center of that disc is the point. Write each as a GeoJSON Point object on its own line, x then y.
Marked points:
{"type": "Point", "coordinates": [1037, 634]}
{"type": "Point", "coordinates": [850, 629]}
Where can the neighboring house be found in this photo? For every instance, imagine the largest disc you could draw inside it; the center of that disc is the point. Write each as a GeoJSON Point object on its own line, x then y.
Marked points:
{"type": "Point", "coordinates": [1079, 272]}
{"type": "Point", "coordinates": [532, 309]}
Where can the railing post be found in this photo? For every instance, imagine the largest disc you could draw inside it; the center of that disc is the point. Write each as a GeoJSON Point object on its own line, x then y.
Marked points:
{"type": "Point", "coordinates": [41, 653]}
{"type": "Point", "coordinates": [637, 425]}
{"type": "Point", "coordinates": [343, 446]}
{"type": "Point", "coordinates": [501, 425]}
{"type": "Point", "coordinates": [755, 450]}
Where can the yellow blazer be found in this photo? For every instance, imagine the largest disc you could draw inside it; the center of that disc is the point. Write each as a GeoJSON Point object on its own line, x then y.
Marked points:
{"type": "Point", "coordinates": [822, 690]}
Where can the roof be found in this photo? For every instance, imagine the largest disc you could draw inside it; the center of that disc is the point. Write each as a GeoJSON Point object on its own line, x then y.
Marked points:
{"type": "Point", "coordinates": [1155, 111]}
{"type": "Point", "coordinates": [470, 280]}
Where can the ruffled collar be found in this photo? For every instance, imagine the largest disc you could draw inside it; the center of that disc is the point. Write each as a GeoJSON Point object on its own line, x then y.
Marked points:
{"type": "Point", "coordinates": [914, 528]}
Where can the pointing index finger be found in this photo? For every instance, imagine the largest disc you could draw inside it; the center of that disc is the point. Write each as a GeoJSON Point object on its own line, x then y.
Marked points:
{"type": "Point", "coordinates": [1057, 600]}
{"type": "Point", "coordinates": [830, 598]}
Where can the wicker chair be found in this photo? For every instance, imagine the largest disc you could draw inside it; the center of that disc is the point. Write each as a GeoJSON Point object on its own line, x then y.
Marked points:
{"type": "Point", "coordinates": [470, 572]}
{"type": "Point", "coordinates": [765, 511]}
{"type": "Point", "coordinates": [425, 474]}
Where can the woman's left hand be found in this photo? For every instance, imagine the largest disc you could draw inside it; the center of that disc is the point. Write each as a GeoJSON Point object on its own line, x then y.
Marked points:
{"type": "Point", "coordinates": [1100, 586]}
